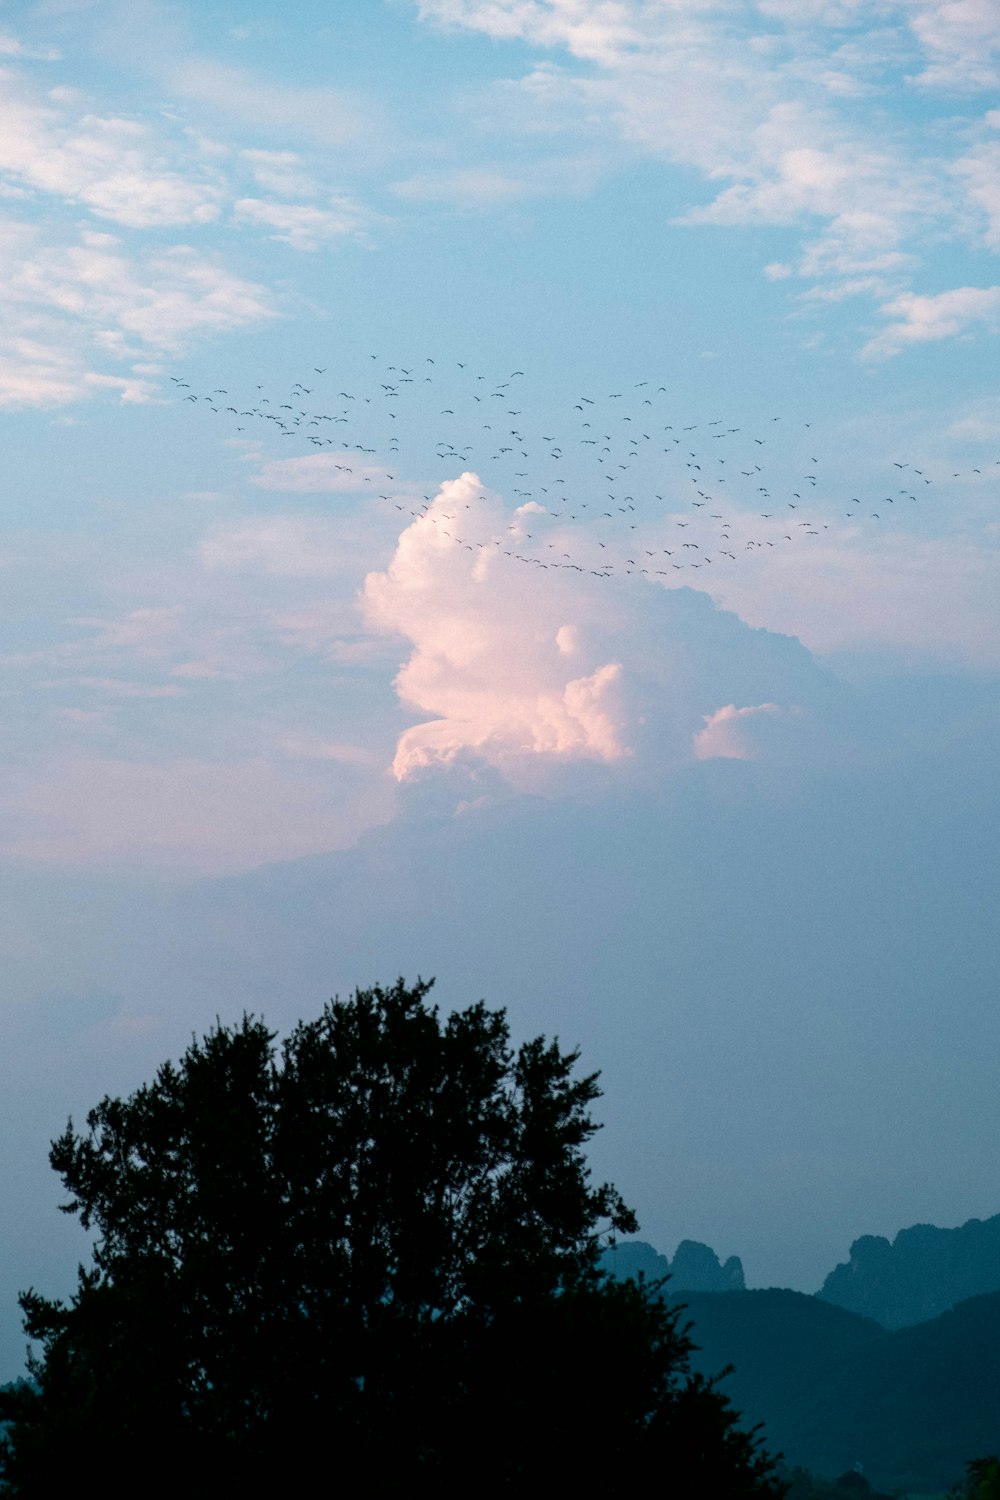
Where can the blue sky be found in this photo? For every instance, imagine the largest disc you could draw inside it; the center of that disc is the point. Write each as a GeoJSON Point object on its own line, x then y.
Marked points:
{"type": "Point", "coordinates": [745, 259]}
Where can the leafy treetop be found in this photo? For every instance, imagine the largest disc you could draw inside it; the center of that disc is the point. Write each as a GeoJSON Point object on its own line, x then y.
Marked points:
{"type": "Point", "coordinates": [379, 1241]}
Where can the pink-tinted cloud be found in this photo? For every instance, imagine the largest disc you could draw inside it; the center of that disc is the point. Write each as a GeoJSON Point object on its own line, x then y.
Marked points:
{"type": "Point", "coordinates": [724, 736]}
{"type": "Point", "coordinates": [497, 655]}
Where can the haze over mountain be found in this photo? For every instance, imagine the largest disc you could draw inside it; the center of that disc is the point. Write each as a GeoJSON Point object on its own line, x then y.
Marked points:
{"type": "Point", "coordinates": [903, 1385]}
{"type": "Point", "coordinates": [923, 1272]}
{"type": "Point", "coordinates": [919, 1274]}
{"type": "Point", "coordinates": [836, 1390]}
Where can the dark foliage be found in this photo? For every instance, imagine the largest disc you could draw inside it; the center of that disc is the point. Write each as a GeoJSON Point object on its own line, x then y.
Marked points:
{"type": "Point", "coordinates": [982, 1480]}
{"type": "Point", "coordinates": [373, 1249]}
{"type": "Point", "coordinates": [805, 1486]}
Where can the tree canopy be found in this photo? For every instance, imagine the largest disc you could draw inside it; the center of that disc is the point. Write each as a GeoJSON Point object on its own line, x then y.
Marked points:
{"type": "Point", "coordinates": [982, 1480]}
{"type": "Point", "coordinates": [375, 1242]}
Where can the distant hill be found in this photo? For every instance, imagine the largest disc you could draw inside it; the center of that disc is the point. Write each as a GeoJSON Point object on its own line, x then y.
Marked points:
{"type": "Point", "coordinates": [922, 1273]}
{"type": "Point", "coordinates": [834, 1389]}
{"type": "Point", "coordinates": [694, 1268]}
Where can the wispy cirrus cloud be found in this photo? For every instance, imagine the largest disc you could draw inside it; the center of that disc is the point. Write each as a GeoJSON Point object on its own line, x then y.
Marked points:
{"type": "Point", "coordinates": [833, 120]}
{"type": "Point", "coordinates": [304, 226]}
{"type": "Point", "coordinates": [90, 191]}
{"type": "Point", "coordinates": [491, 185]}
{"type": "Point", "coordinates": [112, 165]}
{"type": "Point", "coordinates": [71, 307]}
{"type": "Point", "coordinates": [326, 117]}
{"type": "Point", "coordinates": [279, 546]}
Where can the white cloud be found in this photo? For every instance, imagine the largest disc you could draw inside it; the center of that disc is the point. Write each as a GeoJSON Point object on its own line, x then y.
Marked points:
{"type": "Point", "coordinates": [595, 31]}
{"type": "Point", "coordinates": [115, 687]}
{"type": "Point", "coordinates": [77, 299]}
{"type": "Point", "coordinates": [68, 306]}
{"type": "Point", "coordinates": [303, 226]}
{"type": "Point", "coordinates": [11, 47]}
{"type": "Point", "coordinates": [110, 164]}
{"type": "Point", "coordinates": [961, 40]}
{"type": "Point", "coordinates": [921, 320]}
{"type": "Point", "coordinates": [792, 111]}
{"type": "Point", "coordinates": [314, 627]}
{"type": "Point", "coordinates": [38, 374]}
{"type": "Point", "coordinates": [280, 172]}
{"type": "Point", "coordinates": [981, 170]}
{"type": "Point", "coordinates": [326, 116]}
{"type": "Point", "coordinates": [302, 746]}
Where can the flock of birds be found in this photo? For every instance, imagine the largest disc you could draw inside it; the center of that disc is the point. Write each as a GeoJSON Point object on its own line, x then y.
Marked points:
{"type": "Point", "coordinates": [618, 485]}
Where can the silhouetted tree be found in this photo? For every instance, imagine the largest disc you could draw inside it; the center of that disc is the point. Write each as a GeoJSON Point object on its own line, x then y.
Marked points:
{"type": "Point", "coordinates": [982, 1481]}
{"type": "Point", "coordinates": [373, 1247]}
{"type": "Point", "coordinates": [801, 1485]}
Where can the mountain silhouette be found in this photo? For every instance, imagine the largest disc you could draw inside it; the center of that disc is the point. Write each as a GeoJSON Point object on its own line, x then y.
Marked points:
{"type": "Point", "coordinates": [694, 1268]}
{"type": "Point", "coordinates": [920, 1274]}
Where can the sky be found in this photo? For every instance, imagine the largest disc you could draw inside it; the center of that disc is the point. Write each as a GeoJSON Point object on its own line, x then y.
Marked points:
{"type": "Point", "coordinates": [507, 490]}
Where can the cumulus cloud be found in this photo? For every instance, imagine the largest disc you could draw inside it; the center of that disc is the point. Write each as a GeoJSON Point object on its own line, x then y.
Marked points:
{"type": "Point", "coordinates": [493, 655]}
{"type": "Point", "coordinates": [516, 665]}
{"type": "Point", "coordinates": [724, 736]}
{"type": "Point", "coordinates": [961, 42]}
